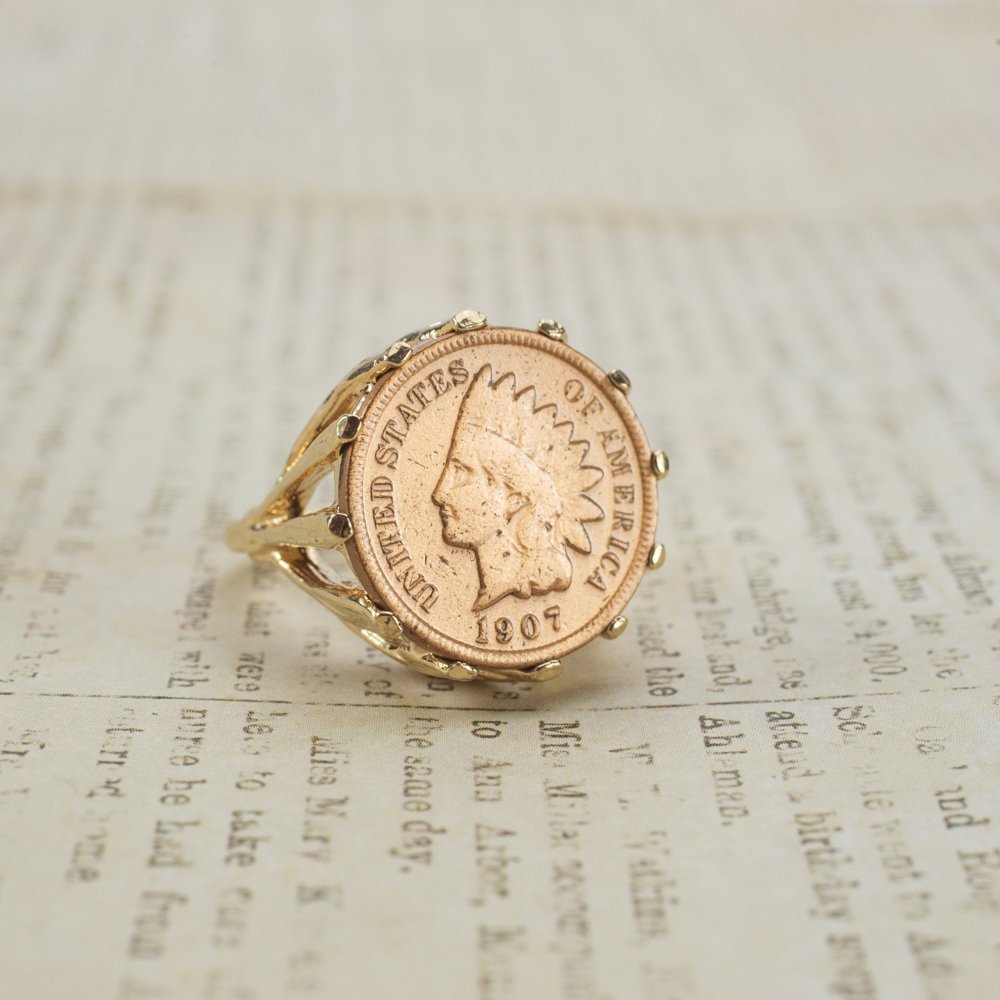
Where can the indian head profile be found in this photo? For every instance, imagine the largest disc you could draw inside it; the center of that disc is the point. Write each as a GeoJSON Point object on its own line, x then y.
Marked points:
{"type": "Point", "coordinates": [514, 490]}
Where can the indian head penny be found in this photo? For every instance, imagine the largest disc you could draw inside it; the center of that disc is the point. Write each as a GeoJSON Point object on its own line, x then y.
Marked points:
{"type": "Point", "coordinates": [501, 496]}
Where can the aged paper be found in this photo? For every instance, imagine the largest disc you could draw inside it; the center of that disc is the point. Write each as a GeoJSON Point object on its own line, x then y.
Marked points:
{"type": "Point", "coordinates": [780, 782]}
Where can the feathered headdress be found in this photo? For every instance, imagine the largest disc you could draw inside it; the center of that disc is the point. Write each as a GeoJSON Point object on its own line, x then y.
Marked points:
{"type": "Point", "coordinates": [495, 406]}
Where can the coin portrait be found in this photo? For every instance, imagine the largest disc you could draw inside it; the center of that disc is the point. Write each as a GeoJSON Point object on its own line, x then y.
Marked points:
{"type": "Point", "coordinates": [514, 489]}
{"type": "Point", "coordinates": [500, 503]}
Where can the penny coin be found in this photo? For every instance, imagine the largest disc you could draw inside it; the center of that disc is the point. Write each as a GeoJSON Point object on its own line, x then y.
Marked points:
{"type": "Point", "coordinates": [501, 496]}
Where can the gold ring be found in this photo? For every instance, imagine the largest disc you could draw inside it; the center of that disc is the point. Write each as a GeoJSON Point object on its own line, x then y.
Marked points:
{"type": "Point", "coordinates": [493, 500]}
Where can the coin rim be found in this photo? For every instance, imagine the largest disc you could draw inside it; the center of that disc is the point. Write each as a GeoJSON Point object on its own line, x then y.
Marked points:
{"type": "Point", "coordinates": [361, 551]}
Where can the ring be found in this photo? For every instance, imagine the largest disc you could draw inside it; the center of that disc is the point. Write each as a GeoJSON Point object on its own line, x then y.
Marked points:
{"type": "Point", "coordinates": [494, 501]}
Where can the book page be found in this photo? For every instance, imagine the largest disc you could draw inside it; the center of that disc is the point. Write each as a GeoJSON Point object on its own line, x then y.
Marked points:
{"type": "Point", "coordinates": [779, 782]}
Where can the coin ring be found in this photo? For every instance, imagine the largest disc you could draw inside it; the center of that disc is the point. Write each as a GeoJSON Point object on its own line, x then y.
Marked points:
{"type": "Point", "coordinates": [355, 484]}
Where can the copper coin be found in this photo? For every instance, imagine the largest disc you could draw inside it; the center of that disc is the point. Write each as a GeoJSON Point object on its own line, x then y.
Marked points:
{"type": "Point", "coordinates": [502, 498]}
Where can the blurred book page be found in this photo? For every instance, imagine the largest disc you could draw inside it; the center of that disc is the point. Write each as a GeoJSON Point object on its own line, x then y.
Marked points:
{"type": "Point", "coordinates": [779, 782]}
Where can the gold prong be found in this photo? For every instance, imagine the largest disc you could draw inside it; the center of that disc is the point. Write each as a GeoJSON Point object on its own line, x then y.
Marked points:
{"type": "Point", "coordinates": [388, 627]}
{"type": "Point", "coordinates": [398, 354]}
{"type": "Point", "coordinates": [340, 525]}
{"type": "Point", "coordinates": [660, 464]}
{"type": "Point", "coordinates": [616, 627]}
{"type": "Point", "coordinates": [469, 319]}
{"type": "Point", "coordinates": [544, 671]}
{"type": "Point", "coordinates": [348, 426]}
{"type": "Point", "coordinates": [620, 380]}
{"type": "Point", "coordinates": [656, 556]}
{"type": "Point", "coordinates": [552, 329]}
